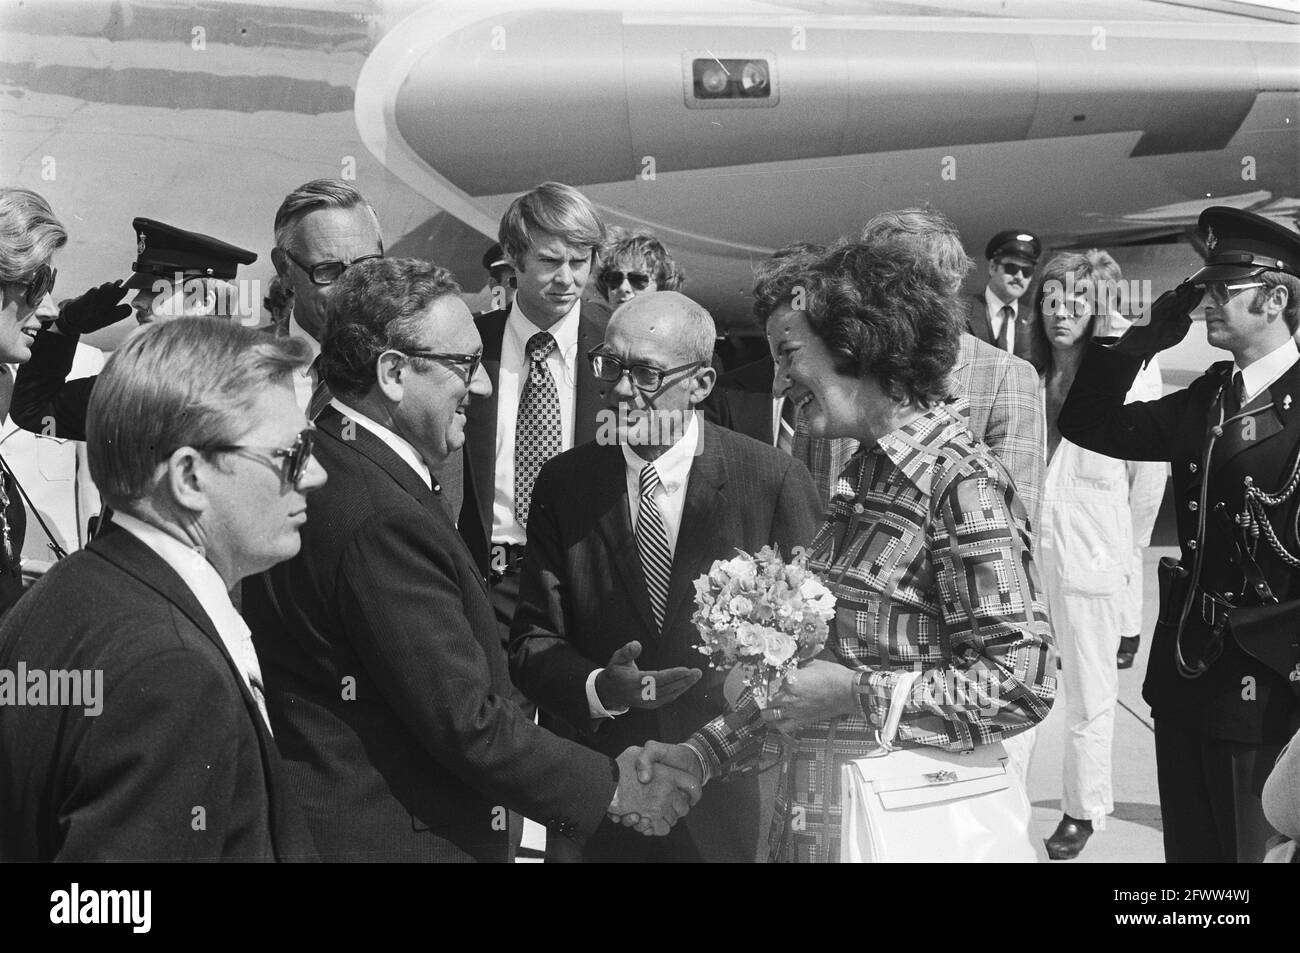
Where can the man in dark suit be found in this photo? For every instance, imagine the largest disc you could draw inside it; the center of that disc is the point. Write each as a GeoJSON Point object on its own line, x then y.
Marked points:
{"type": "Point", "coordinates": [1223, 679]}
{"type": "Point", "coordinates": [153, 743]}
{"type": "Point", "coordinates": [544, 399]}
{"type": "Point", "coordinates": [602, 638]}
{"type": "Point", "coordinates": [388, 686]}
{"type": "Point", "coordinates": [994, 315]}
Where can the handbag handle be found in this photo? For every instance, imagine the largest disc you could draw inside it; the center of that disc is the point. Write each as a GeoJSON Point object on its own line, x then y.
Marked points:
{"type": "Point", "coordinates": [897, 700]}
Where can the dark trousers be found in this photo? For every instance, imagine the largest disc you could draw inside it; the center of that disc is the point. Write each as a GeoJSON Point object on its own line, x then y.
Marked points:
{"type": "Point", "coordinates": [1210, 796]}
{"type": "Point", "coordinates": [504, 595]}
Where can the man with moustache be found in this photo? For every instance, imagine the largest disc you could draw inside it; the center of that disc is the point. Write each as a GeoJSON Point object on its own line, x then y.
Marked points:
{"type": "Point", "coordinates": [994, 315]}
{"type": "Point", "coordinates": [620, 530]}
{"type": "Point", "coordinates": [387, 684]}
{"type": "Point", "coordinates": [195, 440]}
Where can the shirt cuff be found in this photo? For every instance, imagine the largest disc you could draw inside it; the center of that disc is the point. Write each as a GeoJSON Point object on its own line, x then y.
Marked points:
{"type": "Point", "coordinates": [594, 706]}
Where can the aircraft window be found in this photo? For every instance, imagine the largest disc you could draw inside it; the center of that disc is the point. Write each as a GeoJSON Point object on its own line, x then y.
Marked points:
{"type": "Point", "coordinates": [730, 81]}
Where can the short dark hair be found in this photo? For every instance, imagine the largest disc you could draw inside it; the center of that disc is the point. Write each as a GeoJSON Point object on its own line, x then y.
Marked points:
{"type": "Point", "coordinates": [776, 279]}
{"type": "Point", "coordinates": [376, 306]}
{"type": "Point", "coordinates": [882, 316]}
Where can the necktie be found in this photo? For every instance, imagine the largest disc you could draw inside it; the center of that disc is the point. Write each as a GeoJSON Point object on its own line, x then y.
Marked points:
{"type": "Point", "coordinates": [1234, 396]}
{"type": "Point", "coordinates": [1005, 341]}
{"type": "Point", "coordinates": [320, 394]}
{"type": "Point", "coordinates": [652, 541]}
{"type": "Point", "coordinates": [537, 430]}
{"type": "Point", "coordinates": [247, 659]}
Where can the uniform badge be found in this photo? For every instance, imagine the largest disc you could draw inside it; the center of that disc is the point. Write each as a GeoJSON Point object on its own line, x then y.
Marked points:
{"type": "Point", "coordinates": [141, 244]}
{"type": "Point", "coordinates": [1210, 239]}
{"type": "Point", "coordinates": [1286, 401]}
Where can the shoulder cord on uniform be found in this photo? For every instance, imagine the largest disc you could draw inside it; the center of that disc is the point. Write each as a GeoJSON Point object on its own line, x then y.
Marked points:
{"type": "Point", "coordinates": [1254, 517]}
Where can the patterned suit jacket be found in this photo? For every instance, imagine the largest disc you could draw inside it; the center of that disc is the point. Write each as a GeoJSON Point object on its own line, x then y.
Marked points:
{"type": "Point", "coordinates": [1003, 403]}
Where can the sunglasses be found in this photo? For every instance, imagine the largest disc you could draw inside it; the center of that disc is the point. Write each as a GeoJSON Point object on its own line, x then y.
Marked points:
{"type": "Point", "coordinates": [328, 272]}
{"type": "Point", "coordinates": [470, 362]}
{"type": "Point", "coordinates": [1222, 292]}
{"type": "Point", "coordinates": [295, 458]}
{"type": "Point", "coordinates": [646, 378]}
{"type": "Point", "coordinates": [1011, 268]}
{"type": "Point", "coordinates": [638, 280]}
{"type": "Point", "coordinates": [38, 286]}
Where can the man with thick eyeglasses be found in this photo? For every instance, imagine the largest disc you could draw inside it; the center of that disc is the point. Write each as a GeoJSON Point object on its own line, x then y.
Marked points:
{"type": "Point", "coordinates": [167, 754]}
{"type": "Point", "coordinates": [994, 315]}
{"type": "Point", "coordinates": [1223, 678]}
{"type": "Point", "coordinates": [621, 528]}
{"type": "Point", "coordinates": [385, 673]}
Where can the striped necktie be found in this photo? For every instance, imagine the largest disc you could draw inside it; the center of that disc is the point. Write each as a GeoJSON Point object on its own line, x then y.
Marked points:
{"type": "Point", "coordinates": [652, 541]}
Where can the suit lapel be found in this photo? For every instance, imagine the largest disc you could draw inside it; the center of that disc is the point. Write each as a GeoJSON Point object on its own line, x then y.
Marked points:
{"type": "Point", "coordinates": [697, 539]}
{"type": "Point", "coordinates": [610, 500]}
{"type": "Point", "coordinates": [978, 319]}
{"type": "Point", "coordinates": [589, 397]}
{"type": "Point", "coordinates": [481, 425]}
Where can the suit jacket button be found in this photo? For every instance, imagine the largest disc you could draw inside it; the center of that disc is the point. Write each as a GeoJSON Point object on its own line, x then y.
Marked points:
{"type": "Point", "coordinates": [1192, 506]}
{"type": "Point", "coordinates": [1191, 467]}
{"type": "Point", "coordinates": [1191, 544]}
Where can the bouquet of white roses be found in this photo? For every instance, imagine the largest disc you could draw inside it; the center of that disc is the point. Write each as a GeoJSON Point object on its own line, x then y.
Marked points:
{"type": "Point", "coordinates": [762, 615]}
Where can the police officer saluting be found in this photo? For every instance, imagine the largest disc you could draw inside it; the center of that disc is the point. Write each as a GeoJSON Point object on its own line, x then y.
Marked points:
{"type": "Point", "coordinates": [1223, 679]}
{"type": "Point", "coordinates": [176, 273]}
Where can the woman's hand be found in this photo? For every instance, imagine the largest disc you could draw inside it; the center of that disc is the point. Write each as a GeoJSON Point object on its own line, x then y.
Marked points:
{"type": "Point", "coordinates": [816, 692]}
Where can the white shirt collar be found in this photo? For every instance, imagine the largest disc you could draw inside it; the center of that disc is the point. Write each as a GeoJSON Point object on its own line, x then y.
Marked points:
{"type": "Point", "coordinates": [296, 331]}
{"type": "Point", "coordinates": [565, 331]}
{"type": "Point", "coordinates": [674, 465]}
{"type": "Point", "coordinates": [996, 304]}
{"type": "Point", "coordinates": [1267, 369]}
{"type": "Point", "coordinates": [399, 445]}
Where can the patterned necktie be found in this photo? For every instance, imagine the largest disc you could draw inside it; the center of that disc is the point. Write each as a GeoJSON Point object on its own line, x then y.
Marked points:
{"type": "Point", "coordinates": [320, 394]}
{"type": "Point", "coordinates": [1004, 335]}
{"type": "Point", "coordinates": [785, 427]}
{"type": "Point", "coordinates": [537, 431]}
{"type": "Point", "coordinates": [652, 541]}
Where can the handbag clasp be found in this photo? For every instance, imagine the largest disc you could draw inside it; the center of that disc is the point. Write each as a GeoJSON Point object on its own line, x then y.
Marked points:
{"type": "Point", "coordinates": [940, 777]}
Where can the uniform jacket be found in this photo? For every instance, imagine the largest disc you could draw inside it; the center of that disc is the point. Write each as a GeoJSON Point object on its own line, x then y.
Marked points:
{"type": "Point", "coordinates": [481, 422]}
{"type": "Point", "coordinates": [386, 680]}
{"type": "Point", "coordinates": [583, 596]}
{"type": "Point", "coordinates": [178, 765]}
{"type": "Point", "coordinates": [1240, 698]}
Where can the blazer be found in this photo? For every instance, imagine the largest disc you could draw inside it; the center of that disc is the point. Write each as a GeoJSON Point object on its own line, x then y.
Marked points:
{"type": "Point", "coordinates": [1030, 344]}
{"type": "Point", "coordinates": [178, 764]}
{"type": "Point", "coordinates": [1004, 406]}
{"type": "Point", "coordinates": [1250, 694]}
{"type": "Point", "coordinates": [742, 401]}
{"type": "Point", "coordinates": [387, 683]}
{"type": "Point", "coordinates": [583, 596]}
{"type": "Point", "coordinates": [481, 416]}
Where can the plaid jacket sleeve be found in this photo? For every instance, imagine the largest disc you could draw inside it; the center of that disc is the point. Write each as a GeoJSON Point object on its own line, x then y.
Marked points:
{"type": "Point", "coordinates": [1017, 431]}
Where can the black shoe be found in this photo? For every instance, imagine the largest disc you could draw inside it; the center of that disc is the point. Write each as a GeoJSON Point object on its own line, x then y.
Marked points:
{"type": "Point", "coordinates": [1068, 839]}
{"type": "Point", "coordinates": [1128, 649]}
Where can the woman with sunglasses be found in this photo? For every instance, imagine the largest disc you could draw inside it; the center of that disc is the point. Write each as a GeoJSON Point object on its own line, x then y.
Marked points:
{"type": "Point", "coordinates": [1094, 510]}
{"type": "Point", "coordinates": [634, 264]}
{"type": "Point", "coordinates": [29, 237]}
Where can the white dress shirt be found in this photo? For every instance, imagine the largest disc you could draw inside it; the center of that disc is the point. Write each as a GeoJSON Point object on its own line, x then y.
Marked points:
{"type": "Point", "coordinates": [1263, 373]}
{"type": "Point", "coordinates": [674, 469]}
{"type": "Point", "coordinates": [995, 306]}
{"type": "Point", "coordinates": [209, 589]}
{"type": "Point", "coordinates": [304, 381]}
{"type": "Point", "coordinates": [399, 445]}
{"type": "Point", "coordinates": [563, 362]}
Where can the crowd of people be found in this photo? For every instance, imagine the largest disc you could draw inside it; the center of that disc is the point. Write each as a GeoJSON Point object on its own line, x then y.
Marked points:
{"type": "Point", "coordinates": [382, 577]}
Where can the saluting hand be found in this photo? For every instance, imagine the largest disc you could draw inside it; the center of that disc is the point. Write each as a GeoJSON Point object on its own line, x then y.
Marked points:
{"type": "Point", "coordinates": [97, 308]}
{"type": "Point", "coordinates": [1164, 326]}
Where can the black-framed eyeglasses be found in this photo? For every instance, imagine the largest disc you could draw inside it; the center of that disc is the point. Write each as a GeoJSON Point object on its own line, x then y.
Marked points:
{"type": "Point", "coordinates": [470, 362]}
{"type": "Point", "coordinates": [639, 280]}
{"type": "Point", "coordinates": [1221, 291]}
{"type": "Point", "coordinates": [645, 377]}
{"type": "Point", "coordinates": [1012, 268]}
{"type": "Point", "coordinates": [38, 286]}
{"type": "Point", "coordinates": [328, 272]}
{"type": "Point", "coordinates": [295, 458]}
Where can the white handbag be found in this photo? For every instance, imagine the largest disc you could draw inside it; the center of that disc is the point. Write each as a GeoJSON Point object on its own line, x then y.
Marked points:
{"type": "Point", "coordinates": [931, 806]}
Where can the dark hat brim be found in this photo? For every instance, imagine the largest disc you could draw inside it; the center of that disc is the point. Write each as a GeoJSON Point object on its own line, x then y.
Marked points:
{"type": "Point", "coordinates": [140, 280]}
{"type": "Point", "coordinates": [1209, 273]}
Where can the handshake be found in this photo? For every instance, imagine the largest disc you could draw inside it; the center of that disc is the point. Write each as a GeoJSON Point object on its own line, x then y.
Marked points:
{"type": "Point", "coordinates": [657, 786]}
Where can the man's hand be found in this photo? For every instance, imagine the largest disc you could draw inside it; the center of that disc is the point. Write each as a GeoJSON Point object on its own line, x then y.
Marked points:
{"type": "Point", "coordinates": [814, 692]}
{"type": "Point", "coordinates": [1164, 326]}
{"type": "Point", "coordinates": [652, 801]}
{"type": "Point", "coordinates": [97, 308]}
{"type": "Point", "coordinates": [622, 685]}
